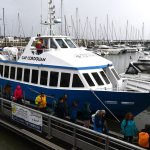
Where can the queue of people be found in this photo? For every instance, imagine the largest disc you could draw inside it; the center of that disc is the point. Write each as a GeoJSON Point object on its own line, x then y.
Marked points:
{"type": "Point", "coordinates": [62, 110]}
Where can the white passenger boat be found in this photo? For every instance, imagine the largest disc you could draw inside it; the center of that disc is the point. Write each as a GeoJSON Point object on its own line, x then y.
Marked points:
{"type": "Point", "coordinates": [64, 68]}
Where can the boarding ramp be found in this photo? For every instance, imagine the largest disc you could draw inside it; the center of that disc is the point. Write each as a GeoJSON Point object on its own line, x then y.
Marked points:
{"type": "Point", "coordinates": [61, 134]}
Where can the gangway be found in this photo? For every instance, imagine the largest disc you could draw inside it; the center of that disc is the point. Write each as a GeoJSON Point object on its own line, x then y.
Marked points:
{"type": "Point", "coordinates": [57, 133]}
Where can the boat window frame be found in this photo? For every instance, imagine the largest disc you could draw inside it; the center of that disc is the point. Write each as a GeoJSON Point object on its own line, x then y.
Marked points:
{"type": "Point", "coordinates": [105, 79]}
{"type": "Point", "coordinates": [102, 82]}
{"type": "Point", "coordinates": [133, 71]}
{"type": "Point", "coordinates": [63, 80]}
{"type": "Point", "coordinates": [54, 42]}
{"type": "Point", "coordinates": [29, 75]}
{"type": "Point", "coordinates": [137, 65]}
{"type": "Point", "coordinates": [42, 79]}
{"type": "Point", "coordinates": [37, 75]}
{"type": "Point", "coordinates": [1, 70]}
{"type": "Point", "coordinates": [76, 81]}
{"type": "Point", "coordinates": [12, 74]}
{"type": "Point", "coordinates": [19, 75]}
{"type": "Point", "coordinates": [115, 74]}
{"type": "Point", "coordinates": [6, 72]}
{"type": "Point", "coordinates": [93, 84]}
{"type": "Point", "coordinates": [71, 43]}
{"type": "Point", "coordinates": [63, 42]}
{"type": "Point", "coordinates": [50, 78]}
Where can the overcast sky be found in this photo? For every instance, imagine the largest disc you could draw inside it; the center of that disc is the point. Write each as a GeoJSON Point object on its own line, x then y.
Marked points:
{"type": "Point", "coordinates": [119, 11]}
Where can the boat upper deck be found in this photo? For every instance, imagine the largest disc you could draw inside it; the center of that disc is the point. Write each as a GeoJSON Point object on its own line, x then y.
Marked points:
{"type": "Point", "coordinates": [61, 51]}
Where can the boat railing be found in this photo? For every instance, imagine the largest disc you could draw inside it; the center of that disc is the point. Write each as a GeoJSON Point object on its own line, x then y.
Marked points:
{"type": "Point", "coordinates": [72, 134]}
{"type": "Point", "coordinates": [137, 85]}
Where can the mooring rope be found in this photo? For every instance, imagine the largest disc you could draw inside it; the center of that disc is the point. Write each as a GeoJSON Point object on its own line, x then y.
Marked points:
{"type": "Point", "coordinates": [105, 106]}
{"type": "Point", "coordinates": [45, 94]}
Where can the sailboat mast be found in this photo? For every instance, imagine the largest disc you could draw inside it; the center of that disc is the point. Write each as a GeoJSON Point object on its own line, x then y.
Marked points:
{"type": "Point", "coordinates": [4, 21]}
{"type": "Point", "coordinates": [143, 32]}
{"type": "Point", "coordinates": [61, 17]}
{"type": "Point", "coordinates": [41, 17]}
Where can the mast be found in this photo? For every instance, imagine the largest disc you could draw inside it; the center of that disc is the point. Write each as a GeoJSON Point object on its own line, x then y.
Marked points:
{"type": "Point", "coordinates": [77, 25]}
{"type": "Point", "coordinates": [51, 16]}
{"type": "Point", "coordinates": [95, 29]}
{"type": "Point", "coordinates": [107, 29]}
{"type": "Point", "coordinates": [126, 32]}
{"type": "Point", "coordinates": [143, 32]}
{"type": "Point", "coordinates": [41, 17]}
{"type": "Point", "coordinates": [4, 22]}
{"type": "Point", "coordinates": [61, 17]}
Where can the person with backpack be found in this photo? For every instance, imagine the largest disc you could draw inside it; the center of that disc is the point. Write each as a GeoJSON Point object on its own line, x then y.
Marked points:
{"type": "Point", "coordinates": [129, 128]}
{"type": "Point", "coordinates": [144, 138]}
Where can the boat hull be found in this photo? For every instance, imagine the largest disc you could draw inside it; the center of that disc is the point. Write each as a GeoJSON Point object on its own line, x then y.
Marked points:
{"type": "Point", "coordinates": [117, 102]}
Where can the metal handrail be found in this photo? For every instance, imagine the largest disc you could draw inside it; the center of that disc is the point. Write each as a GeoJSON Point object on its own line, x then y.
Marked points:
{"type": "Point", "coordinates": [73, 134]}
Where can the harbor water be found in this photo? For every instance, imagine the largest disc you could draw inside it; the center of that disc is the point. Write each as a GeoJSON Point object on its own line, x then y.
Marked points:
{"type": "Point", "coordinates": [10, 141]}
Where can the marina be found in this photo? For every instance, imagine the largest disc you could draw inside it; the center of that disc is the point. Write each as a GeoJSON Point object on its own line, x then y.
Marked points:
{"type": "Point", "coordinates": [50, 78]}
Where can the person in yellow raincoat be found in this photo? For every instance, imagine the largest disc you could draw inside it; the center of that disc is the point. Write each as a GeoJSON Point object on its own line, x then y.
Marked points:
{"type": "Point", "coordinates": [41, 102]}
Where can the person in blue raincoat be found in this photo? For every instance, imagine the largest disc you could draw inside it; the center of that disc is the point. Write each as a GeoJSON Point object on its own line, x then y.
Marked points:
{"type": "Point", "coordinates": [128, 127]}
{"type": "Point", "coordinates": [100, 124]}
{"type": "Point", "coordinates": [73, 111]}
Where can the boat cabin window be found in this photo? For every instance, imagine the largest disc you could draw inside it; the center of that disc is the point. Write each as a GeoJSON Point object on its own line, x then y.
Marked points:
{"type": "Point", "coordinates": [53, 78]}
{"type": "Point", "coordinates": [45, 43]}
{"type": "Point", "coordinates": [77, 81]}
{"type": "Point", "coordinates": [44, 76]}
{"type": "Point", "coordinates": [19, 74]}
{"type": "Point", "coordinates": [88, 79]}
{"type": "Point", "coordinates": [6, 73]}
{"type": "Point", "coordinates": [65, 80]}
{"type": "Point", "coordinates": [12, 72]}
{"type": "Point", "coordinates": [61, 43]}
{"type": "Point", "coordinates": [97, 78]}
{"type": "Point", "coordinates": [1, 70]}
{"type": "Point", "coordinates": [26, 75]}
{"type": "Point", "coordinates": [70, 43]}
{"type": "Point", "coordinates": [52, 44]}
{"type": "Point", "coordinates": [105, 77]}
{"type": "Point", "coordinates": [131, 70]}
{"type": "Point", "coordinates": [115, 74]}
{"type": "Point", "coordinates": [34, 78]}
{"type": "Point", "coordinates": [144, 68]}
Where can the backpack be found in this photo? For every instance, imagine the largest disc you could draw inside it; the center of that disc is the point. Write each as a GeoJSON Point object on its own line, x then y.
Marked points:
{"type": "Point", "coordinates": [144, 139]}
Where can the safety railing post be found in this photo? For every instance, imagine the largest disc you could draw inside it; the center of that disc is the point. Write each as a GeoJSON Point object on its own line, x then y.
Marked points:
{"type": "Point", "coordinates": [49, 135]}
{"type": "Point", "coordinates": [74, 139]}
{"type": "Point", "coordinates": [107, 143]}
{"type": "Point", "coordinates": [1, 105]}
